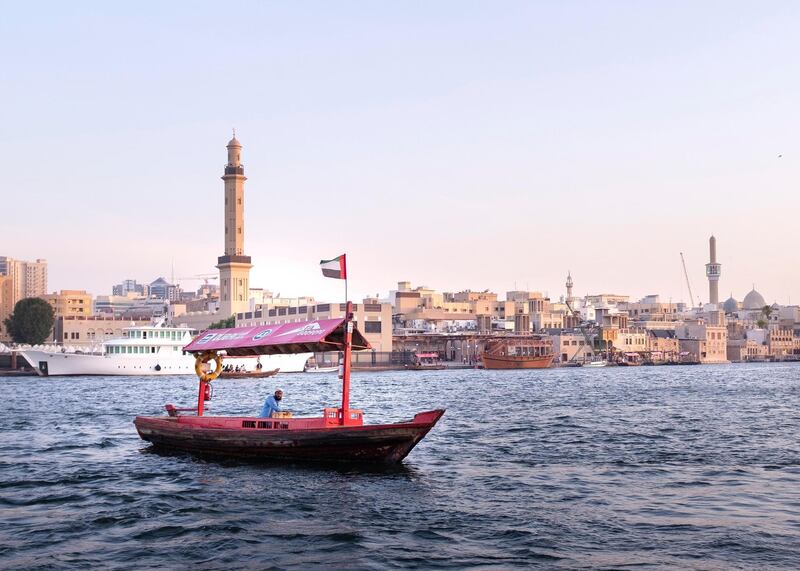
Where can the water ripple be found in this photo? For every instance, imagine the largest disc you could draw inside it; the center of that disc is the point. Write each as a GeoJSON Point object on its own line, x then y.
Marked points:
{"type": "Point", "coordinates": [661, 467]}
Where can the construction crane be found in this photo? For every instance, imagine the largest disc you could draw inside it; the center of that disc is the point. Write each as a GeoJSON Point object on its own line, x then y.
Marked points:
{"type": "Point", "coordinates": [582, 327]}
{"type": "Point", "coordinates": [204, 277]}
{"type": "Point", "coordinates": [688, 284]}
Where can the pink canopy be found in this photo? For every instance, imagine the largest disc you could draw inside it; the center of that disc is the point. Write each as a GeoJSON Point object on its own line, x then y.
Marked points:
{"type": "Point", "coordinates": [300, 337]}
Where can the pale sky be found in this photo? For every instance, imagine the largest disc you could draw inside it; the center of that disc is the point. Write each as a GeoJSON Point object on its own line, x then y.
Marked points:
{"type": "Point", "coordinates": [459, 145]}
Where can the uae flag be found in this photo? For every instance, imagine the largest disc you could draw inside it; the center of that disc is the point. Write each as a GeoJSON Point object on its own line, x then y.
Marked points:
{"type": "Point", "coordinates": [335, 268]}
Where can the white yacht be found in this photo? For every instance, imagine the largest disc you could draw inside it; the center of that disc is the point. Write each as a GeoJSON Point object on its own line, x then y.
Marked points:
{"type": "Point", "coordinates": [146, 350]}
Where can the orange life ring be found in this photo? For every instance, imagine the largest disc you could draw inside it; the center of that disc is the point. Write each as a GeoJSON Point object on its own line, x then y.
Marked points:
{"type": "Point", "coordinates": [199, 366]}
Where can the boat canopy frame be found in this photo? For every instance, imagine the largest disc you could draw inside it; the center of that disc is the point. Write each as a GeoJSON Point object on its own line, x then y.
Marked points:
{"type": "Point", "coordinates": [318, 336]}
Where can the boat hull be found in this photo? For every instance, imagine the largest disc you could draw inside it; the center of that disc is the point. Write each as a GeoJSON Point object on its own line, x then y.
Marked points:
{"type": "Point", "coordinates": [249, 375]}
{"type": "Point", "coordinates": [514, 362]}
{"type": "Point", "coordinates": [49, 363]}
{"type": "Point", "coordinates": [377, 443]}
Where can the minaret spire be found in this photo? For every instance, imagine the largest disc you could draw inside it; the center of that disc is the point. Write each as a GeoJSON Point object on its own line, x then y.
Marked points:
{"type": "Point", "coordinates": [713, 271]}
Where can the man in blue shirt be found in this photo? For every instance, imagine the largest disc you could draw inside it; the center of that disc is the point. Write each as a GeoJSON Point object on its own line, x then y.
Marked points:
{"type": "Point", "coordinates": [272, 404]}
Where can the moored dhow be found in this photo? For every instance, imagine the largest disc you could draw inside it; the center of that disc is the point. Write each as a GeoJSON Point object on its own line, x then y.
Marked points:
{"type": "Point", "coordinates": [518, 352]}
{"type": "Point", "coordinates": [339, 435]}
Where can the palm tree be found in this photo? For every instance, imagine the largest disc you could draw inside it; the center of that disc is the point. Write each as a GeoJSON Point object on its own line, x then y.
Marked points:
{"type": "Point", "coordinates": [766, 311]}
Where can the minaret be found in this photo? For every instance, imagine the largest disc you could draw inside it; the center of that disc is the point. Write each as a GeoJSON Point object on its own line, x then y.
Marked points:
{"type": "Point", "coordinates": [713, 271]}
{"type": "Point", "coordinates": [569, 286]}
{"type": "Point", "coordinates": [234, 266]}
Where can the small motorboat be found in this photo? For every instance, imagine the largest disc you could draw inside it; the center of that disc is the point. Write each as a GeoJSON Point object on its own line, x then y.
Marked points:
{"type": "Point", "coordinates": [339, 435]}
{"type": "Point", "coordinates": [594, 364]}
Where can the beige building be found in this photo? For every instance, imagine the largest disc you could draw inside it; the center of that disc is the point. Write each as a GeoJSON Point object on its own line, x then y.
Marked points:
{"type": "Point", "coordinates": [571, 347]}
{"type": "Point", "coordinates": [632, 340]}
{"type": "Point", "coordinates": [739, 350]}
{"type": "Point", "coordinates": [70, 302]}
{"type": "Point", "coordinates": [650, 308]}
{"type": "Point", "coordinates": [708, 343]}
{"type": "Point", "coordinates": [92, 330]}
{"type": "Point", "coordinates": [780, 342]}
{"type": "Point", "coordinates": [6, 305]}
{"type": "Point", "coordinates": [663, 345]}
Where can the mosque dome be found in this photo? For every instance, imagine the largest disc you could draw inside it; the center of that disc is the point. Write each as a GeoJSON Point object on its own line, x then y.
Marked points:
{"type": "Point", "coordinates": [754, 300]}
{"type": "Point", "coordinates": [234, 143]}
{"type": "Point", "coordinates": [730, 305]}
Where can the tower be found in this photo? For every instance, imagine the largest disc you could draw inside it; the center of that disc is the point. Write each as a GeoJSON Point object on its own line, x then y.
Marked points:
{"type": "Point", "coordinates": [234, 266]}
{"type": "Point", "coordinates": [713, 271]}
{"type": "Point", "coordinates": [569, 286]}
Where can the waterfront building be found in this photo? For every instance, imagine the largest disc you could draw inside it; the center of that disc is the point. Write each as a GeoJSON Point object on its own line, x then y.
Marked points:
{"type": "Point", "coordinates": [234, 266]}
{"type": "Point", "coordinates": [663, 345]}
{"type": "Point", "coordinates": [706, 343]}
{"type": "Point", "coordinates": [70, 302]}
{"type": "Point", "coordinates": [780, 342]}
{"type": "Point", "coordinates": [571, 347]}
{"type": "Point", "coordinates": [632, 340]}
{"type": "Point", "coordinates": [741, 350]}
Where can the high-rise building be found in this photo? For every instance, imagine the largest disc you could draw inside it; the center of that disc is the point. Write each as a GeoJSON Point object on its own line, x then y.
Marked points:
{"type": "Point", "coordinates": [130, 286]}
{"type": "Point", "coordinates": [19, 279]}
{"type": "Point", "coordinates": [28, 279]}
{"type": "Point", "coordinates": [6, 304]}
{"type": "Point", "coordinates": [234, 266]}
{"type": "Point", "coordinates": [713, 271]}
{"type": "Point", "coordinates": [162, 289]}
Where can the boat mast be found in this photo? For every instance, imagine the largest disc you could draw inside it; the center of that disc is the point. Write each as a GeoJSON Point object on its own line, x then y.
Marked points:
{"type": "Point", "coordinates": [348, 344]}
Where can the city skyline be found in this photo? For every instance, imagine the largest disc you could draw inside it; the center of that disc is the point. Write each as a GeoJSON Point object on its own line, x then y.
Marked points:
{"type": "Point", "coordinates": [476, 150]}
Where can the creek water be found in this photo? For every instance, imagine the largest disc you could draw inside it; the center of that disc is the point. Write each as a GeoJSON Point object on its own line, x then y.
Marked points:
{"type": "Point", "coordinates": [653, 467]}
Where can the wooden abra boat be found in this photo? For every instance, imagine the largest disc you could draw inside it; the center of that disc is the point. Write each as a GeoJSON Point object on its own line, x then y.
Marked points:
{"type": "Point", "coordinates": [426, 362]}
{"type": "Point", "coordinates": [338, 435]}
{"type": "Point", "coordinates": [248, 374]}
{"type": "Point", "coordinates": [518, 352]}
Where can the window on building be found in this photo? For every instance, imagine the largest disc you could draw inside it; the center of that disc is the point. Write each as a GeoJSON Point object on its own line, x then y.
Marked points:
{"type": "Point", "coordinates": [372, 327]}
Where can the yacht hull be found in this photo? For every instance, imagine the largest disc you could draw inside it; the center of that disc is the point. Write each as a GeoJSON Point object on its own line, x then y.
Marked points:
{"type": "Point", "coordinates": [53, 364]}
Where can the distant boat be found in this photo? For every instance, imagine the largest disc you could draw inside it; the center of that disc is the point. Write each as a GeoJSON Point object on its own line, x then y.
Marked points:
{"type": "Point", "coordinates": [593, 364]}
{"type": "Point", "coordinates": [518, 352]}
{"type": "Point", "coordinates": [425, 362]}
{"type": "Point", "coordinates": [257, 374]}
{"type": "Point", "coordinates": [316, 369]}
